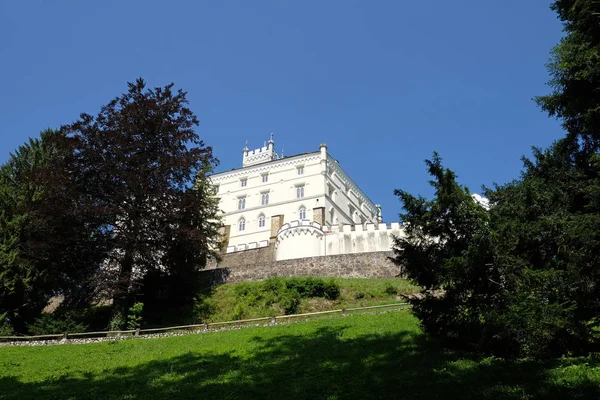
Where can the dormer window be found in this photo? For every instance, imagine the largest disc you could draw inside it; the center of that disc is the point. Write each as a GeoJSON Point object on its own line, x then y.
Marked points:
{"type": "Point", "coordinates": [243, 182]}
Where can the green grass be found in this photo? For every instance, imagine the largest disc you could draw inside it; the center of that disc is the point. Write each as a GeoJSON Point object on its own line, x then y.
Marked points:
{"type": "Point", "coordinates": [222, 303]}
{"type": "Point", "coordinates": [381, 356]}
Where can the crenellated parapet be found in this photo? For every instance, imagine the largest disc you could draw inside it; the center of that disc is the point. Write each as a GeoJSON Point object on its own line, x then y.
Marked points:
{"type": "Point", "coordinates": [299, 228]}
{"type": "Point", "coordinates": [351, 239]}
{"type": "Point", "coordinates": [261, 155]}
{"type": "Point", "coordinates": [305, 238]}
{"type": "Point", "coordinates": [381, 227]}
{"type": "Point", "coordinates": [247, 246]}
{"type": "Point", "coordinates": [299, 239]}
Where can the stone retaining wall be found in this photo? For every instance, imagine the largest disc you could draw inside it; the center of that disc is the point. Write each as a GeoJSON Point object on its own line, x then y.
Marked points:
{"type": "Point", "coordinates": [253, 265]}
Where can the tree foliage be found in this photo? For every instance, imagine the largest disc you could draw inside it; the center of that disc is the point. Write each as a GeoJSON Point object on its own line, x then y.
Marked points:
{"type": "Point", "coordinates": [118, 204]}
{"type": "Point", "coordinates": [521, 278]}
{"type": "Point", "coordinates": [140, 171]}
{"type": "Point", "coordinates": [38, 258]}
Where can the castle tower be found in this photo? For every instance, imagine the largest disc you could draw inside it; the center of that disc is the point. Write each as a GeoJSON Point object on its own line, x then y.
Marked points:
{"type": "Point", "coordinates": [261, 155]}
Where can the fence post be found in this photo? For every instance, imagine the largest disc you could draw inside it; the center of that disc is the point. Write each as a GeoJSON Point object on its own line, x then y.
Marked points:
{"type": "Point", "coordinates": [65, 336]}
{"type": "Point", "coordinates": [137, 332]}
{"type": "Point", "coordinates": [343, 312]}
{"type": "Point", "coordinates": [205, 326]}
{"type": "Point", "coordinates": [273, 320]}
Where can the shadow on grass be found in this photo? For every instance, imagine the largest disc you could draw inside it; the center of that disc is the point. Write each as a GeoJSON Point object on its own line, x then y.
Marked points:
{"type": "Point", "coordinates": [319, 366]}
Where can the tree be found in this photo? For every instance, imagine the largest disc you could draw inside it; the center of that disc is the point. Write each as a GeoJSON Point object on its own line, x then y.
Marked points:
{"type": "Point", "coordinates": [37, 256]}
{"type": "Point", "coordinates": [523, 279]}
{"type": "Point", "coordinates": [575, 71]}
{"type": "Point", "coordinates": [141, 176]}
{"type": "Point", "coordinates": [446, 251]}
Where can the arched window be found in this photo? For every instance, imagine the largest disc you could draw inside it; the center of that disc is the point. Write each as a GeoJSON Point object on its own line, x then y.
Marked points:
{"type": "Point", "coordinates": [302, 213]}
{"type": "Point", "coordinates": [242, 225]}
{"type": "Point", "coordinates": [261, 221]}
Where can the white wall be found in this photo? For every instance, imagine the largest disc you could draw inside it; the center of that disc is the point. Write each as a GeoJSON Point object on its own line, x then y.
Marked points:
{"type": "Point", "coordinates": [283, 178]}
{"type": "Point", "coordinates": [350, 204]}
{"type": "Point", "coordinates": [299, 239]}
{"type": "Point", "coordinates": [347, 239]}
{"type": "Point", "coordinates": [321, 171]}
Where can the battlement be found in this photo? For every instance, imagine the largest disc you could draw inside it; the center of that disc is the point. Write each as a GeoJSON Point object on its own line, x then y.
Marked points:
{"type": "Point", "coordinates": [369, 227]}
{"type": "Point", "coordinates": [263, 154]}
{"type": "Point", "coordinates": [300, 223]}
{"type": "Point", "coordinates": [247, 246]}
{"type": "Point", "coordinates": [305, 238]}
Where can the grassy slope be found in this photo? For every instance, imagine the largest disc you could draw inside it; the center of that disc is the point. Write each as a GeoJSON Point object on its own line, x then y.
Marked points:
{"type": "Point", "coordinates": [355, 292]}
{"type": "Point", "coordinates": [358, 357]}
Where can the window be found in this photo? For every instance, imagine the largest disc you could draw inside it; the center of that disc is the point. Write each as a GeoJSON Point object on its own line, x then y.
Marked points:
{"type": "Point", "coordinates": [265, 177]}
{"type": "Point", "coordinates": [264, 199]}
{"type": "Point", "coordinates": [243, 182]}
{"type": "Point", "coordinates": [302, 213]}
{"type": "Point", "coordinates": [261, 221]}
{"type": "Point", "coordinates": [242, 225]}
{"type": "Point", "coordinates": [241, 203]}
{"type": "Point", "coordinates": [299, 192]}
{"type": "Point", "coordinates": [301, 170]}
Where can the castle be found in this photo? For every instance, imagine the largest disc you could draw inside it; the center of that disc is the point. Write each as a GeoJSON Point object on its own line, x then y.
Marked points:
{"type": "Point", "coordinates": [301, 206]}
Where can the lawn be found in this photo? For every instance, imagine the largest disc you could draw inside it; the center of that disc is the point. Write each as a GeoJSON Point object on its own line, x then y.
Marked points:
{"type": "Point", "coordinates": [382, 356]}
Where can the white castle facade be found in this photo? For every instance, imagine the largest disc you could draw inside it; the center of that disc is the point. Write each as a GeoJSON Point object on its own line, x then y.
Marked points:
{"type": "Point", "coordinates": [303, 206]}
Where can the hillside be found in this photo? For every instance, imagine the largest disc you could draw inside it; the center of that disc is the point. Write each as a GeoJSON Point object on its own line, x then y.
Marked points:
{"type": "Point", "coordinates": [253, 299]}
{"type": "Point", "coordinates": [382, 356]}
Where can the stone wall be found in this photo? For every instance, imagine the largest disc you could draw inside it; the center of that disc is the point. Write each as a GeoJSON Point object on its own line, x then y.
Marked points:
{"type": "Point", "coordinates": [253, 265]}
{"type": "Point", "coordinates": [259, 255]}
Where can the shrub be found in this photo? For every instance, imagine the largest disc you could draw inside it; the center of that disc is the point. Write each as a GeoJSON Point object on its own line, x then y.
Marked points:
{"type": "Point", "coordinates": [134, 317]}
{"type": "Point", "coordinates": [284, 294]}
{"type": "Point", "coordinates": [117, 322]}
{"type": "Point", "coordinates": [359, 295]}
{"type": "Point", "coordinates": [332, 290]}
{"type": "Point", "coordinates": [5, 327]}
{"type": "Point", "coordinates": [289, 302]}
{"type": "Point", "coordinates": [314, 287]}
{"type": "Point", "coordinates": [390, 289]}
{"type": "Point", "coordinates": [48, 324]}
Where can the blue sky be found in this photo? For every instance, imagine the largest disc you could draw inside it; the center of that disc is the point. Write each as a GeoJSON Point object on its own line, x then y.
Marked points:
{"type": "Point", "coordinates": [383, 83]}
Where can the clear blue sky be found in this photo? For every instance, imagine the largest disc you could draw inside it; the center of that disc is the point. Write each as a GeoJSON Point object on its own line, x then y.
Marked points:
{"type": "Point", "coordinates": [383, 83]}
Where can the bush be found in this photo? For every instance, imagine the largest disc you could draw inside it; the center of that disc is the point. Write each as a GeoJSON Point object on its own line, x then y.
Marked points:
{"type": "Point", "coordinates": [359, 295]}
{"type": "Point", "coordinates": [5, 327]}
{"type": "Point", "coordinates": [134, 317]}
{"type": "Point", "coordinates": [314, 287]}
{"type": "Point", "coordinates": [48, 324]}
{"type": "Point", "coordinates": [117, 322]}
{"type": "Point", "coordinates": [289, 301]}
{"type": "Point", "coordinates": [285, 294]}
{"type": "Point", "coordinates": [391, 290]}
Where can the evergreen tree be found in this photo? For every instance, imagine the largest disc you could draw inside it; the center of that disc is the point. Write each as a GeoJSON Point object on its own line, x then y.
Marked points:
{"type": "Point", "coordinates": [37, 257]}
{"type": "Point", "coordinates": [523, 277]}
